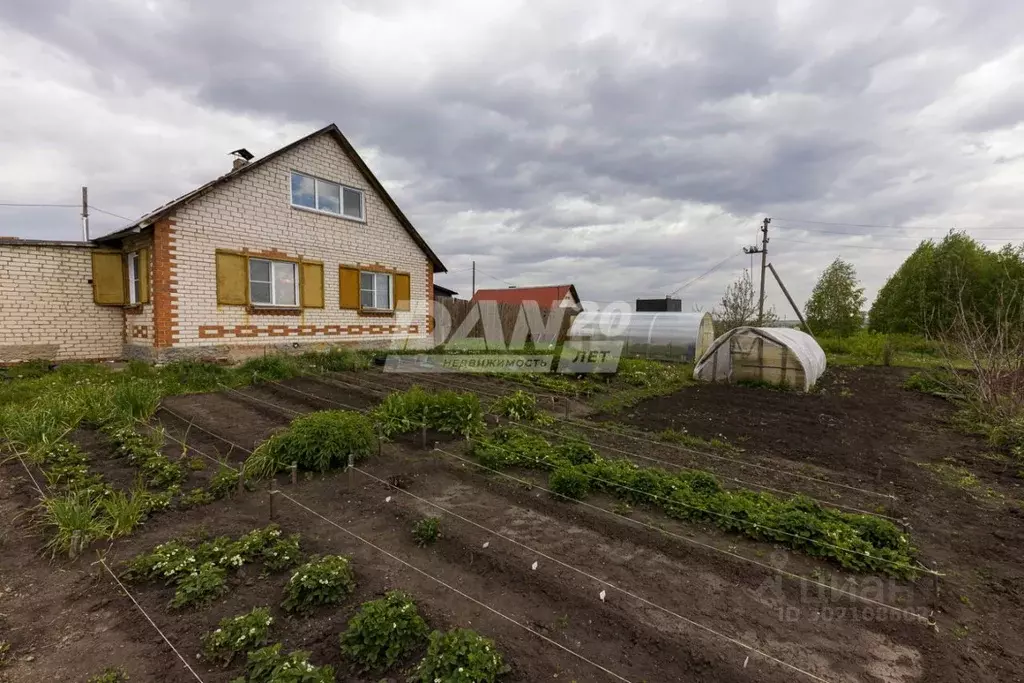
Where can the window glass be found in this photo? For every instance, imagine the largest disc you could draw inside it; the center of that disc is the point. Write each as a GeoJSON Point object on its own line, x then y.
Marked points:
{"type": "Point", "coordinates": [328, 196]}
{"type": "Point", "coordinates": [259, 270]}
{"type": "Point", "coordinates": [284, 284]}
{"type": "Point", "coordinates": [353, 203]}
{"type": "Point", "coordinates": [303, 191]}
{"type": "Point", "coordinates": [383, 287]}
{"type": "Point", "coordinates": [366, 298]}
{"type": "Point", "coordinates": [133, 278]}
{"type": "Point", "coordinates": [259, 293]}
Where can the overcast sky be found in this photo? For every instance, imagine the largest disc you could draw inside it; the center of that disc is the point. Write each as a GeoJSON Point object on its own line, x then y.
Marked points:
{"type": "Point", "coordinates": [626, 147]}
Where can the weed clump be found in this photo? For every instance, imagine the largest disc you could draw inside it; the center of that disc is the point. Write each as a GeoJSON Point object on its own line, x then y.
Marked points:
{"type": "Point", "coordinates": [569, 482]}
{"type": "Point", "coordinates": [426, 531]}
{"type": "Point", "coordinates": [110, 675]}
{"type": "Point", "coordinates": [383, 631]}
{"type": "Point", "coordinates": [518, 407]}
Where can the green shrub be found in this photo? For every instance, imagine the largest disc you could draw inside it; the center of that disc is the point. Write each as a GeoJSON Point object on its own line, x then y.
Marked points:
{"type": "Point", "coordinates": [317, 442]}
{"type": "Point", "coordinates": [110, 675]}
{"type": "Point", "coordinates": [569, 482]}
{"type": "Point", "coordinates": [202, 584]}
{"type": "Point", "coordinates": [426, 531]}
{"type": "Point", "coordinates": [336, 360]}
{"type": "Point", "coordinates": [449, 412]}
{"type": "Point", "coordinates": [517, 406]}
{"type": "Point", "coordinates": [326, 580]}
{"type": "Point", "coordinates": [268, 665]}
{"type": "Point", "coordinates": [383, 631]}
{"type": "Point", "coordinates": [459, 656]}
{"type": "Point", "coordinates": [575, 451]}
{"type": "Point", "coordinates": [234, 635]}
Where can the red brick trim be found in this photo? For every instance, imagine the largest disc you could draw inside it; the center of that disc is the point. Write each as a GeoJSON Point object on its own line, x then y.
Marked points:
{"type": "Point", "coordinates": [165, 291]}
{"type": "Point", "coordinates": [430, 297]}
{"type": "Point", "coordinates": [270, 310]}
{"type": "Point", "coordinates": [254, 331]}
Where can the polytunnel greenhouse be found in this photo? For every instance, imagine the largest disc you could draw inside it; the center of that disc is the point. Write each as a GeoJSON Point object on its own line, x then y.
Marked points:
{"type": "Point", "coordinates": [775, 355]}
{"type": "Point", "coordinates": [678, 337]}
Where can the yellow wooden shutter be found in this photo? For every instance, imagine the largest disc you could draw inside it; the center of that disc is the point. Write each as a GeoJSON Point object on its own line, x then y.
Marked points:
{"type": "Point", "coordinates": [144, 276]}
{"type": "Point", "coordinates": [108, 287]}
{"type": "Point", "coordinates": [348, 287]}
{"type": "Point", "coordinates": [402, 291]}
{"type": "Point", "coordinates": [312, 281]}
{"type": "Point", "coordinates": [232, 279]}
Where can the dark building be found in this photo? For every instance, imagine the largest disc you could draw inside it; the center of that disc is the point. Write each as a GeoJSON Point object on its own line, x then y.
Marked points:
{"type": "Point", "coordinates": [666, 305]}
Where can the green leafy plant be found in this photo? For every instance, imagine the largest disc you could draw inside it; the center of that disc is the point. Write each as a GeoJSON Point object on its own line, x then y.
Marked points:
{"type": "Point", "coordinates": [326, 580]}
{"type": "Point", "coordinates": [223, 483]}
{"type": "Point", "coordinates": [238, 634]}
{"type": "Point", "coordinates": [195, 497]}
{"type": "Point", "coordinates": [448, 412]}
{"type": "Point", "coordinates": [317, 442]}
{"type": "Point", "coordinates": [426, 531]}
{"type": "Point", "coordinates": [124, 512]}
{"type": "Point", "coordinates": [383, 631]}
{"type": "Point", "coordinates": [134, 400]}
{"type": "Point", "coordinates": [270, 368]}
{"type": "Point", "coordinates": [204, 583]}
{"type": "Point", "coordinates": [569, 482]}
{"type": "Point", "coordinates": [268, 665]}
{"type": "Point", "coordinates": [517, 406]}
{"type": "Point", "coordinates": [110, 675]}
{"type": "Point", "coordinates": [459, 656]}
{"type": "Point", "coordinates": [336, 360]}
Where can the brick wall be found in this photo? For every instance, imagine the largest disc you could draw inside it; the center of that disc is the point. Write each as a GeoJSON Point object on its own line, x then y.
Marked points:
{"type": "Point", "coordinates": [138, 320]}
{"type": "Point", "coordinates": [46, 306]}
{"type": "Point", "coordinates": [254, 213]}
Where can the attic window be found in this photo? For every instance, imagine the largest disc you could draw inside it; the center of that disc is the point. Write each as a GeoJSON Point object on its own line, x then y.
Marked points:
{"type": "Point", "coordinates": [322, 195]}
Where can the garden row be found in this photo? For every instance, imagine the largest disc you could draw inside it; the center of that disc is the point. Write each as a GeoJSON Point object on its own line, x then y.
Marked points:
{"type": "Point", "coordinates": [321, 441]}
{"type": "Point", "coordinates": [382, 634]}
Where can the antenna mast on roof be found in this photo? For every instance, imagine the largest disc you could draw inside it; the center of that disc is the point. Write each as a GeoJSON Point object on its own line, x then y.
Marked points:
{"type": "Point", "coordinates": [85, 213]}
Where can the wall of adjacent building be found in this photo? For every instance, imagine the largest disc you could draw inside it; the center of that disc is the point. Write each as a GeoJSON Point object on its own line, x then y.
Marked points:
{"type": "Point", "coordinates": [46, 305]}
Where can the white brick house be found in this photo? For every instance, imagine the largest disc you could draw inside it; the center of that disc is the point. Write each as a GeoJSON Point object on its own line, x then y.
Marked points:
{"type": "Point", "coordinates": [303, 247]}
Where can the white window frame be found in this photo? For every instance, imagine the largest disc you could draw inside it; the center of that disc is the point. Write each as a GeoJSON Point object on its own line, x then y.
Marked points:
{"type": "Point", "coordinates": [273, 284]}
{"type": "Point", "coordinates": [134, 278]}
{"type": "Point", "coordinates": [316, 197]}
{"type": "Point", "coordinates": [391, 291]}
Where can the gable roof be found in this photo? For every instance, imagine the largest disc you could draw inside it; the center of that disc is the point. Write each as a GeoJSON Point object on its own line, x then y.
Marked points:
{"type": "Point", "coordinates": [350, 152]}
{"type": "Point", "coordinates": [546, 297]}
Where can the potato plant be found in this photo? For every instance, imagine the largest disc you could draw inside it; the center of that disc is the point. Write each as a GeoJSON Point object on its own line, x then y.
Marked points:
{"type": "Point", "coordinates": [383, 631]}
{"type": "Point", "coordinates": [459, 656]}
{"type": "Point", "coordinates": [235, 635]}
{"type": "Point", "coordinates": [326, 580]}
{"type": "Point", "coordinates": [268, 665]}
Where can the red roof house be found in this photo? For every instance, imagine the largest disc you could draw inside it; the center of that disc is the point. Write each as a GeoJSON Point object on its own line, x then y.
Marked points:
{"type": "Point", "coordinates": [553, 296]}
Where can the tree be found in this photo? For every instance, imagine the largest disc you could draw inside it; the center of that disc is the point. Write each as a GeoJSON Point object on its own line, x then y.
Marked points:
{"type": "Point", "coordinates": [835, 303]}
{"type": "Point", "coordinates": [926, 294]}
{"type": "Point", "coordinates": [738, 306]}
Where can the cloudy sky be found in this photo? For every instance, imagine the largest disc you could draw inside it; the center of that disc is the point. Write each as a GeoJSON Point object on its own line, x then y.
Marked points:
{"type": "Point", "coordinates": [628, 148]}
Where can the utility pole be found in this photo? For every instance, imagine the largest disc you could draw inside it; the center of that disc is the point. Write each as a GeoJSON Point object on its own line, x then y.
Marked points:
{"type": "Point", "coordinates": [474, 280]}
{"type": "Point", "coordinates": [763, 251]}
{"type": "Point", "coordinates": [85, 213]}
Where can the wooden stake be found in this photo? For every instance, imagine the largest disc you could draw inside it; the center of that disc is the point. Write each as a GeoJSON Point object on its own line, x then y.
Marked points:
{"type": "Point", "coordinates": [423, 435]}
{"type": "Point", "coordinates": [380, 445]}
{"type": "Point", "coordinates": [351, 470]}
{"type": "Point", "coordinates": [241, 482]}
{"type": "Point", "coordinates": [935, 586]}
{"type": "Point", "coordinates": [567, 407]}
{"type": "Point", "coordinates": [270, 490]}
{"type": "Point", "coordinates": [295, 473]}
{"type": "Point", "coordinates": [76, 544]}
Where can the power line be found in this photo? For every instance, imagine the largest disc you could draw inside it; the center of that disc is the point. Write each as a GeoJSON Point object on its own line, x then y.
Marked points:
{"type": "Point", "coordinates": [887, 237]}
{"type": "Point", "coordinates": [110, 213]}
{"type": "Point", "coordinates": [898, 227]}
{"type": "Point", "coordinates": [834, 245]}
{"type": "Point", "coordinates": [46, 206]}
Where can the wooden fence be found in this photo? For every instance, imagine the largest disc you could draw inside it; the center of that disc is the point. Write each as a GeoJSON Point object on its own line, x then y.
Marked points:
{"type": "Point", "coordinates": [451, 324]}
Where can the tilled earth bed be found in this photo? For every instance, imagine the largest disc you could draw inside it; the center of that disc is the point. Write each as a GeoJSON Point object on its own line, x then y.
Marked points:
{"type": "Point", "coordinates": [680, 600]}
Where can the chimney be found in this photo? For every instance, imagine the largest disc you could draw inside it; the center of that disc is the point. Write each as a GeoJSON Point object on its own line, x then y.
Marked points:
{"type": "Point", "coordinates": [242, 156]}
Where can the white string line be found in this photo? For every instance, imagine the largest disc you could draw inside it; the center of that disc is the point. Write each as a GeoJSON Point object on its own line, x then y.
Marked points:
{"type": "Point", "coordinates": [733, 517]}
{"type": "Point", "coordinates": [604, 582]}
{"type": "Point", "coordinates": [673, 465]}
{"type": "Point", "coordinates": [205, 431]}
{"type": "Point", "coordinates": [420, 571]}
{"type": "Point", "coordinates": [684, 538]}
{"type": "Point", "coordinates": [319, 398]}
{"type": "Point", "coordinates": [587, 425]}
{"type": "Point", "coordinates": [722, 515]}
{"type": "Point", "coordinates": [689, 539]}
{"type": "Point", "coordinates": [260, 400]}
{"type": "Point", "coordinates": [455, 590]}
{"type": "Point", "coordinates": [150, 620]}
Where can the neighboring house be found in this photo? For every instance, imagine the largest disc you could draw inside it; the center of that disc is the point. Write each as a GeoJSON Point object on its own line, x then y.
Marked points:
{"type": "Point", "coordinates": [301, 247]}
{"type": "Point", "coordinates": [444, 293]}
{"type": "Point", "coordinates": [554, 296]}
